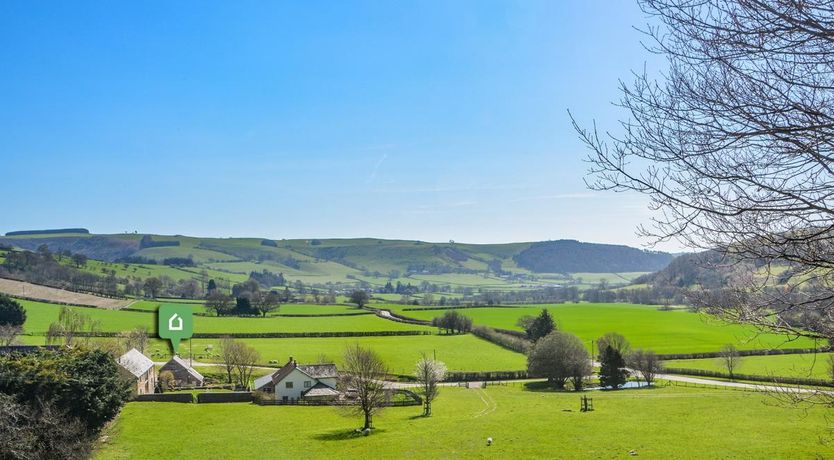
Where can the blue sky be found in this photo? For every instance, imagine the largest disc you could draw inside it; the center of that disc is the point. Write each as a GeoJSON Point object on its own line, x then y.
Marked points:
{"type": "Point", "coordinates": [421, 120]}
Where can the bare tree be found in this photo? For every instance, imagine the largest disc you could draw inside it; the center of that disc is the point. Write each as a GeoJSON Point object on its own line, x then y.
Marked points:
{"type": "Point", "coordinates": [363, 371]}
{"type": "Point", "coordinates": [429, 373]}
{"type": "Point", "coordinates": [734, 147]}
{"type": "Point", "coordinates": [219, 302]}
{"type": "Point", "coordinates": [135, 338]}
{"type": "Point", "coordinates": [646, 363]}
{"type": "Point", "coordinates": [245, 359]}
{"type": "Point", "coordinates": [228, 353]}
{"type": "Point", "coordinates": [730, 359]}
{"type": "Point", "coordinates": [8, 334]}
{"type": "Point", "coordinates": [71, 328]}
{"type": "Point", "coordinates": [266, 302]}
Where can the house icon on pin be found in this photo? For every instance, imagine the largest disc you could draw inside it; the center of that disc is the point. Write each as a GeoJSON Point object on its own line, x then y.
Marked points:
{"type": "Point", "coordinates": [172, 326]}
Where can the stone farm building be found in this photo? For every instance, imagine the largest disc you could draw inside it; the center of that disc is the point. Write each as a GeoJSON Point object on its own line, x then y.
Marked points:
{"type": "Point", "coordinates": [297, 381]}
{"type": "Point", "coordinates": [139, 368]}
{"type": "Point", "coordinates": [184, 374]}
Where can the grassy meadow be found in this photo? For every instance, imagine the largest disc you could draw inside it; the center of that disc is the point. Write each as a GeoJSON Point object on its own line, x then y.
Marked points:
{"type": "Point", "coordinates": [667, 422]}
{"type": "Point", "coordinates": [645, 326]}
{"type": "Point", "coordinates": [811, 365]}
{"type": "Point", "coordinates": [40, 315]}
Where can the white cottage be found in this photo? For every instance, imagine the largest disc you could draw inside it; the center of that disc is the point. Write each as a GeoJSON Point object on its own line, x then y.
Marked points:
{"type": "Point", "coordinates": [298, 381]}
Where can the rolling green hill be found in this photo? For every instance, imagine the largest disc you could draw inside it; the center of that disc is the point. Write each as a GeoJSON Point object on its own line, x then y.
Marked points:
{"type": "Point", "coordinates": [351, 261]}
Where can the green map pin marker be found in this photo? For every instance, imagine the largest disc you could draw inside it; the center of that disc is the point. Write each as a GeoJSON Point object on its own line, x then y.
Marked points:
{"type": "Point", "coordinates": [175, 323]}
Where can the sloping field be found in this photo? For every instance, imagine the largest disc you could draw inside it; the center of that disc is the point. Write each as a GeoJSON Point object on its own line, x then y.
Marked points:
{"type": "Point", "coordinates": [48, 294]}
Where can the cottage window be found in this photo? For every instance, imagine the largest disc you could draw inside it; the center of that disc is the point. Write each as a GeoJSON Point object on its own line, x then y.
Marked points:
{"type": "Point", "coordinates": [308, 384]}
{"type": "Point", "coordinates": [289, 384]}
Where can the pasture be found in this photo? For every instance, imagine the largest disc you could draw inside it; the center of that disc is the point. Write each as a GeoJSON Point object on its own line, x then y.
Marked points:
{"type": "Point", "coordinates": [668, 422]}
{"type": "Point", "coordinates": [40, 315]}
{"type": "Point", "coordinates": [811, 365]}
{"type": "Point", "coordinates": [676, 331]}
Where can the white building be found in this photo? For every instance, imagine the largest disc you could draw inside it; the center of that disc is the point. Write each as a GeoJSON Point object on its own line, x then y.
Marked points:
{"type": "Point", "coordinates": [297, 381]}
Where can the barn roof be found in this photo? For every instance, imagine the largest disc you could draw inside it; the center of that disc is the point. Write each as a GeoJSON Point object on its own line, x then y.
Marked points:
{"type": "Point", "coordinates": [320, 389]}
{"type": "Point", "coordinates": [135, 362]}
{"type": "Point", "coordinates": [176, 361]}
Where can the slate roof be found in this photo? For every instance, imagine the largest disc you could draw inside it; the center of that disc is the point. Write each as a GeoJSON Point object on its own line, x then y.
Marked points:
{"type": "Point", "coordinates": [320, 389]}
{"type": "Point", "coordinates": [315, 371]}
{"type": "Point", "coordinates": [179, 362]}
{"type": "Point", "coordinates": [320, 371]}
{"type": "Point", "coordinates": [135, 362]}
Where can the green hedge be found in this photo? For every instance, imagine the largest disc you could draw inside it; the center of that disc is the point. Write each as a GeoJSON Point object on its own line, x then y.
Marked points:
{"type": "Point", "coordinates": [753, 378]}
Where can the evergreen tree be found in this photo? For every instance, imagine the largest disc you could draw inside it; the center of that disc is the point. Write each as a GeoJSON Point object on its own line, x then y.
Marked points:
{"type": "Point", "coordinates": [211, 286]}
{"type": "Point", "coordinates": [11, 312]}
{"type": "Point", "coordinates": [541, 326]}
{"type": "Point", "coordinates": [612, 372]}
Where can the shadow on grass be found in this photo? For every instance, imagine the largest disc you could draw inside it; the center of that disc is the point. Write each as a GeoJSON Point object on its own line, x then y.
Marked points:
{"type": "Point", "coordinates": [544, 387]}
{"type": "Point", "coordinates": [343, 435]}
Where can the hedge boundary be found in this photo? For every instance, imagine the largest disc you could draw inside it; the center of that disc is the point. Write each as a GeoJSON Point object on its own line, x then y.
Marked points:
{"type": "Point", "coordinates": [270, 335]}
{"type": "Point", "coordinates": [165, 397]}
{"type": "Point", "coordinates": [233, 397]}
{"type": "Point", "coordinates": [753, 378]}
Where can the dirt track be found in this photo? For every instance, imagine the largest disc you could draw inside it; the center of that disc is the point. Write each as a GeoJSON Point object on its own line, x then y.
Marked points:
{"type": "Point", "coordinates": [48, 294]}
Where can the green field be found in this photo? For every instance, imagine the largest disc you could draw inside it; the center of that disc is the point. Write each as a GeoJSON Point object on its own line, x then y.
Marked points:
{"type": "Point", "coordinates": [40, 315]}
{"type": "Point", "coordinates": [676, 331]}
{"type": "Point", "coordinates": [795, 365]}
{"type": "Point", "coordinates": [285, 309]}
{"type": "Point", "coordinates": [663, 423]}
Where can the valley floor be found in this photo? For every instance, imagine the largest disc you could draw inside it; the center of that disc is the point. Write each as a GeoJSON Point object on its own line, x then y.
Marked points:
{"type": "Point", "coordinates": [665, 422]}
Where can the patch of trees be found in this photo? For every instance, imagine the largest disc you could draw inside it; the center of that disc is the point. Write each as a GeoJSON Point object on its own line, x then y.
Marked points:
{"type": "Point", "coordinates": [136, 260]}
{"type": "Point", "coordinates": [359, 297]}
{"type": "Point", "coordinates": [268, 279]}
{"type": "Point", "coordinates": [178, 261]}
{"type": "Point", "coordinates": [55, 402]}
{"type": "Point", "coordinates": [247, 299]}
{"type": "Point", "coordinates": [452, 322]}
{"type": "Point", "coordinates": [269, 243]}
{"type": "Point", "coordinates": [42, 267]}
{"type": "Point", "coordinates": [48, 232]}
{"type": "Point", "coordinates": [148, 242]}
{"type": "Point", "coordinates": [570, 256]}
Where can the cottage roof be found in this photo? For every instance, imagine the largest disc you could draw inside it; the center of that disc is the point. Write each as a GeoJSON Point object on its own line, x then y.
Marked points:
{"type": "Point", "coordinates": [319, 371]}
{"type": "Point", "coordinates": [176, 361]}
{"type": "Point", "coordinates": [135, 362]}
{"type": "Point", "coordinates": [315, 371]}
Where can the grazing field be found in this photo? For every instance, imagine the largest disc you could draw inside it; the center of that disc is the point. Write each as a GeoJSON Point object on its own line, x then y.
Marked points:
{"type": "Point", "coordinates": [36, 291]}
{"type": "Point", "coordinates": [659, 423]}
{"type": "Point", "coordinates": [400, 353]}
{"type": "Point", "coordinates": [811, 365]}
{"type": "Point", "coordinates": [285, 309]}
{"type": "Point", "coordinates": [40, 315]}
{"type": "Point", "coordinates": [676, 331]}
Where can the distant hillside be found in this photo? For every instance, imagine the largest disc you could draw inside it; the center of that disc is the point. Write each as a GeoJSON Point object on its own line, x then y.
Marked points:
{"type": "Point", "coordinates": [570, 256]}
{"type": "Point", "coordinates": [48, 232]}
{"type": "Point", "coordinates": [343, 258]}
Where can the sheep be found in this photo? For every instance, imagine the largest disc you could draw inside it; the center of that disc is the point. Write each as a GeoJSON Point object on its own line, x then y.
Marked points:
{"type": "Point", "coordinates": [489, 441]}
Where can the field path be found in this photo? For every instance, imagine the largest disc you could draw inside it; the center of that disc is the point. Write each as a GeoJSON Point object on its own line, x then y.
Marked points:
{"type": "Point", "coordinates": [36, 292]}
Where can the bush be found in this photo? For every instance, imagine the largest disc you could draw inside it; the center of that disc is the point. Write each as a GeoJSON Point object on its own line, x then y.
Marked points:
{"type": "Point", "coordinates": [84, 383]}
{"type": "Point", "coordinates": [11, 312]}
